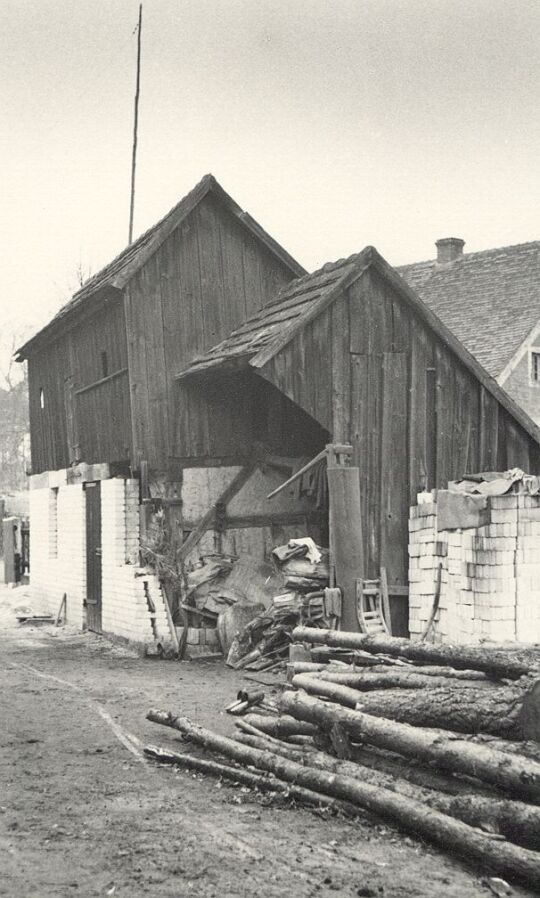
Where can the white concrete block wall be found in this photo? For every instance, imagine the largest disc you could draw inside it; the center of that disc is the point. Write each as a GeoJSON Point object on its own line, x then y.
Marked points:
{"type": "Point", "coordinates": [129, 591]}
{"type": "Point", "coordinates": [43, 565]}
{"type": "Point", "coordinates": [490, 577]}
{"type": "Point", "coordinates": [71, 558]}
{"type": "Point", "coordinates": [58, 558]}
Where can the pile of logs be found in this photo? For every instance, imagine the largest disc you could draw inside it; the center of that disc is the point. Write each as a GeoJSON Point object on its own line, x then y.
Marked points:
{"type": "Point", "coordinates": [441, 741]}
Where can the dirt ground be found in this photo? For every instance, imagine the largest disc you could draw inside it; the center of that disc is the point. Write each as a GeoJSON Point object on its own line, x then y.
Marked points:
{"type": "Point", "coordinates": [82, 813]}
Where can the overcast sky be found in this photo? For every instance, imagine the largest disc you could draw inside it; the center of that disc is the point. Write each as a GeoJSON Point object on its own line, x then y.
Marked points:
{"type": "Point", "coordinates": [335, 123]}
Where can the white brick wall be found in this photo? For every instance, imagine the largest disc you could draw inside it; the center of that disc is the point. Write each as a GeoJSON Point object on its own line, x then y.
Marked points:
{"type": "Point", "coordinates": [127, 588]}
{"type": "Point", "coordinates": [58, 549]}
{"type": "Point", "coordinates": [490, 576]}
{"type": "Point", "coordinates": [58, 558]}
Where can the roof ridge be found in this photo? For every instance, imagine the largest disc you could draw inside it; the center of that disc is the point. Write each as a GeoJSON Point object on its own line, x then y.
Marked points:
{"type": "Point", "coordinates": [481, 252]}
{"type": "Point", "coordinates": [207, 181]}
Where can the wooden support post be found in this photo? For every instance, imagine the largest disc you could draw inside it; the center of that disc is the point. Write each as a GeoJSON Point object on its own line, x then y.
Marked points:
{"type": "Point", "coordinates": [346, 543]}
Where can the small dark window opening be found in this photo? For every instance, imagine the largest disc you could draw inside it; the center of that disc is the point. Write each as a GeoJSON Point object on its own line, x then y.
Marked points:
{"type": "Point", "coordinates": [104, 365]}
{"type": "Point", "coordinates": [535, 367]}
{"type": "Point", "coordinates": [41, 398]}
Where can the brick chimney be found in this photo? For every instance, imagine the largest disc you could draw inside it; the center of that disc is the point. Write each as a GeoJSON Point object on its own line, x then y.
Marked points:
{"type": "Point", "coordinates": [449, 249]}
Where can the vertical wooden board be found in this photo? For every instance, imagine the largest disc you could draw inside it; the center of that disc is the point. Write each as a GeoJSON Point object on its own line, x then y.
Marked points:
{"type": "Point", "coordinates": [156, 450]}
{"type": "Point", "coordinates": [211, 275]}
{"type": "Point", "coordinates": [463, 424]}
{"type": "Point", "coordinates": [517, 444]}
{"type": "Point", "coordinates": [374, 432]}
{"type": "Point", "coordinates": [346, 539]}
{"type": "Point", "coordinates": [420, 421]}
{"type": "Point", "coordinates": [380, 320]}
{"type": "Point", "coordinates": [188, 304]}
{"type": "Point", "coordinates": [341, 371]}
{"type": "Point", "coordinates": [502, 441]}
{"type": "Point", "coordinates": [274, 276]}
{"type": "Point", "coordinates": [252, 276]}
{"type": "Point", "coordinates": [360, 435]}
{"type": "Point", "coordinates": [358, 301]}
{"type": "Point", "coordinates": [445, 408]}
{"type": "Point", "coordinates": [394, 495]}
{"type": "Point", "coordinates": [402, 323]}
{"type": "Point", "coordinates": [319, 368]}
{"type": "Point", "coordinates": [136, 347]}
{"type": "Point", "coordinates": [534, 452]}
{"type": "Point", "coordinates": [489, 430]}
{"type": "Point", "coordinates": [172, 327]}
{"type": "Point", "coordinates": [232, 262]}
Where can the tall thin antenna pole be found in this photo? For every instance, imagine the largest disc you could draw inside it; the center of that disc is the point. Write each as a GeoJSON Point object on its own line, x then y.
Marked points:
{"type": "Point", "coordinates": [135, 127]}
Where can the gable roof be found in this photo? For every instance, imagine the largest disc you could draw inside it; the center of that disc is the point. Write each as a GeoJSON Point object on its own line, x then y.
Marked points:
{"type": "Point", "coordinates": [295, 304]}
{"type": "Point", "coordinates": [490, 300]}
{"type": "Point", "coordinates": [117, 273]}
{"type": "Point", "coordinates": [265, 334]}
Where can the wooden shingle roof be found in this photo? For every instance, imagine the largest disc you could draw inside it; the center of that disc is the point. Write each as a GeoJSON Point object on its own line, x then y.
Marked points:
{"type": "Point", "coordinates": [293, 307]}
{"type": "Point", "coordinates": [490, 300]}
{"type": "Point", "coordinates": [117, 273]}
{"type": "Point", "coordinates": [265, 334]}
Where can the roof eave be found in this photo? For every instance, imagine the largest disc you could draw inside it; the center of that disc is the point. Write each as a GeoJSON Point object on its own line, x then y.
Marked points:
{"type": "Point", "coordinates": [266, 354]}
{"type": "Point", "coordinates": [209, 368]}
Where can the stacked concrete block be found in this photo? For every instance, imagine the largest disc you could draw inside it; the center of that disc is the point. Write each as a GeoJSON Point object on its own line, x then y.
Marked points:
{"type": "Point", "coordinates": [422, 563]}
{"type": "Point", "coordinates": [44, 578]}
{"type": "Point", "coordinates": [133, 605]}
{"type": "Point", "coordinates": [71, 558]}
{"type": "Point", "coordinates": [528, 569]}
{"type": "Point", "coordinates": [490, 583]}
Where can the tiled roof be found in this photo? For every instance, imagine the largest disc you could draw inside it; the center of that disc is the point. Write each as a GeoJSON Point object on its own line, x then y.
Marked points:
{"type": "Point", "coordinates": [118, 272]}
{"type": "Point", "coordinates": [490, 300]}
{"type": "Point", "coordinates": [294, 305]}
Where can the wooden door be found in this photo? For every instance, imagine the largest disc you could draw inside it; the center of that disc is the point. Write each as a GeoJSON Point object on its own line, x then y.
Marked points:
{"type": "Point", "coordinates": [93, 556]}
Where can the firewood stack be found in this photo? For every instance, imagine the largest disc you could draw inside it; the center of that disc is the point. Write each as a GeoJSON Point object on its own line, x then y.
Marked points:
{"type": "Point", "coordinates": [441, 741]}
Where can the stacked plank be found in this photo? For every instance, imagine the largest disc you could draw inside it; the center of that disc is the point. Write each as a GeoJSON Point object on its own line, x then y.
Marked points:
{"type": "Point", "coordinates": [490, 582]}
{"type": "Point", "coordinates": [343, 740]}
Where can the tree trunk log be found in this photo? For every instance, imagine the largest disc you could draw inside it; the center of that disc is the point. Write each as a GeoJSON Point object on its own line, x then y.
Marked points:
{"type": "Point", "coordinates": [265, 782]}
{"type": "Point", "coordinates": [515, 820]}
{"type": "Point", "coordinates": [516, 775]}
{"type": "Point", "coordinates": [511, 663]}
{"type": "Point", "coordinates": [499, 711]}
{"type": "Point", "coordinates": [280, 727]}
{"type": "Point", "coordinates": [396, 678]}
{"type": "Point", "coordinates": [410, 815]}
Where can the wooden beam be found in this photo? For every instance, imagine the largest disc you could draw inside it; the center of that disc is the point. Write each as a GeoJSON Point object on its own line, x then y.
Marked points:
{"type": "Point", "coordinates": [346, 543]}
{"type": "Point", "coordinates": [204, 524]}
{"type": "Point", "coordinates": [330, 451]}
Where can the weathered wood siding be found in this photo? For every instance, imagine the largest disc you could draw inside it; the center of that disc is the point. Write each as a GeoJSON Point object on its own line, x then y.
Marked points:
{"type": "Point", "coordinates": [229, 415]}
{"type": "Point", "coordinates": [205, 280]}
{"type": "Point", "coordinates": [373, 373]}
{"type": "Point", "coordinates": [83, 375]}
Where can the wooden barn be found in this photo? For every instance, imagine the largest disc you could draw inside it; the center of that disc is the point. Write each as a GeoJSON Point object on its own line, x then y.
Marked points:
{"type": "Point", "coordinates": [355, 348]}
{"type": "Point", "coordinates": [200, 369]}
{"type": "Point", "coordinates": [106, 412]}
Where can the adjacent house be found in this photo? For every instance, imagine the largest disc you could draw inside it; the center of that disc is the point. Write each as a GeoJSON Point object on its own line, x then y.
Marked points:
{"type": "Point", "coordinates": [201, 368]}
{"type": "Point", "coordinates": [491, 301]}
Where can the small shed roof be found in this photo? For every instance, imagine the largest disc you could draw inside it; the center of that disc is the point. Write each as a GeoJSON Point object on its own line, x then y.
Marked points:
{"type": "Point", "coordinates": [270, 330]}
{"type": "Point", "coordinates": [490, 300]}
{"type": "Point", "coordinates": [295, 304]}
{"type": "Point", "coordinates": [117, 273]}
